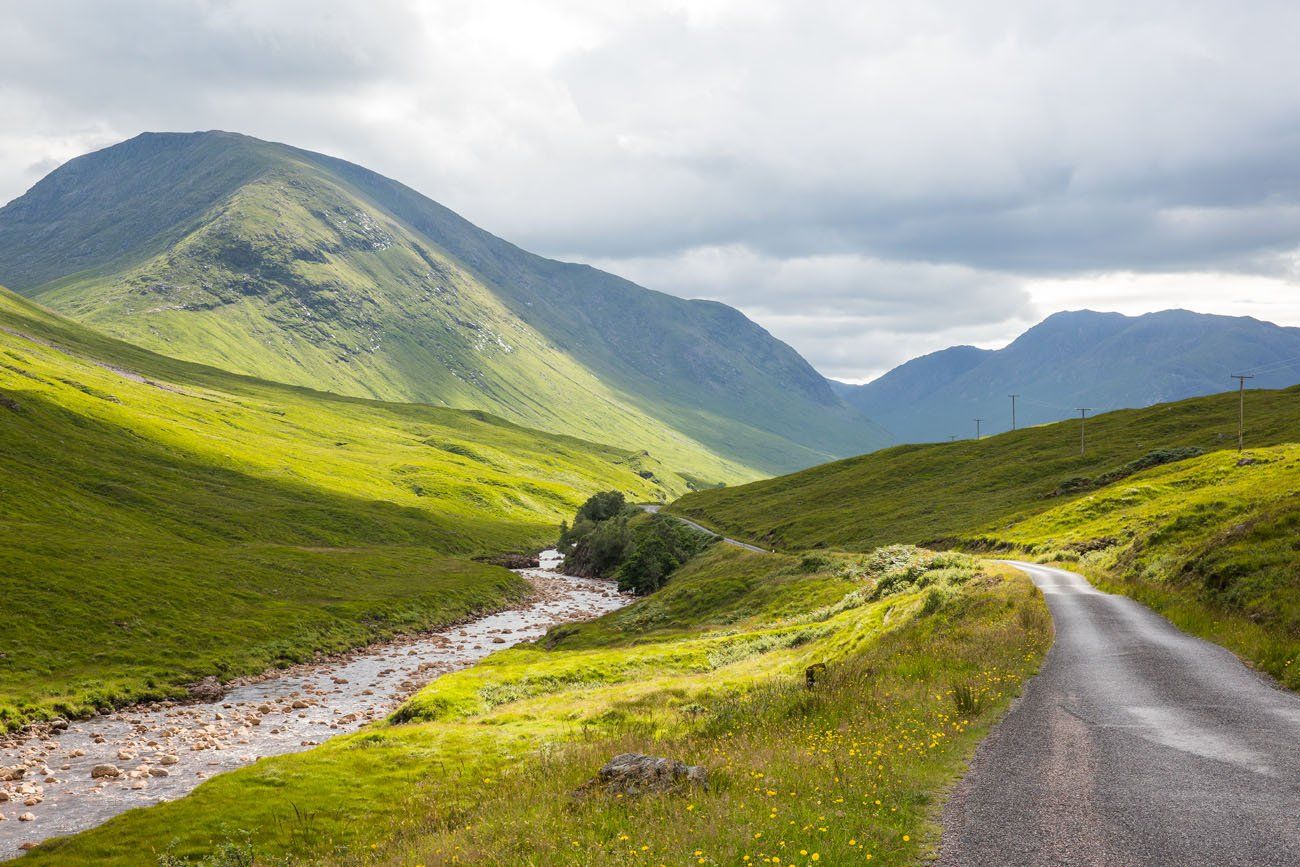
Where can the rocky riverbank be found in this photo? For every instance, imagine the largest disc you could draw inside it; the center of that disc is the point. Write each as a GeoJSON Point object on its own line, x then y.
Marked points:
{"type": "Point", "coordinates": [65, 777]}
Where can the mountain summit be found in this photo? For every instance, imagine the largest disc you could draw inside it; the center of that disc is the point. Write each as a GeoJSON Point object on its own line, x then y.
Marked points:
{"type": "Point", "coordinates": [293, 266]}
{"type": "Point", "coordinates": [1077, 358]}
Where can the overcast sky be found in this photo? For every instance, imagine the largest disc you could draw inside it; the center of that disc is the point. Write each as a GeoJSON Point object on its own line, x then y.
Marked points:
{"type": "Point", "coordinates": [868, 180]}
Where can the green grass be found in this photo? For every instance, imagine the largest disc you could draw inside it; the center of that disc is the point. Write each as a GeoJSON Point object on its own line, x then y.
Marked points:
{"type": "Point", "coordinates": [479, 767]}
{"type": "Point", "coordinates": [1210, 542]}
{"type": "Point", "coordinates": [1206, 541]}
{"type": "Point", "coordinates": [930, 494]}
{"type": "Point", "coordinates": [164, 521]}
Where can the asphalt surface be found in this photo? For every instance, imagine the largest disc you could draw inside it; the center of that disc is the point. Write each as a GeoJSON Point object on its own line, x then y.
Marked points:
{"type": "Point", "coordinates": [654, 510]}
{"type": "Point", "coordinates": [1135, 745]}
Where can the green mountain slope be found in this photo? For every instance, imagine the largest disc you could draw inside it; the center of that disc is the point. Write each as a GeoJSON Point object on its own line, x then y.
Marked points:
{"type": "Point", "coordinates": [288, 265]}
{"type": "Point", "coordinates": [937, 492]}
{"type": "Point", "coordinates": [163, 521]}
{"type": "Point", "coordinates": [1082, 358]}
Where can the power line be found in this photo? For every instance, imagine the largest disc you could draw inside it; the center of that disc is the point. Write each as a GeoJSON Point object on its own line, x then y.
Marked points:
{"type": "Point", "coordinates": [1276, 365]}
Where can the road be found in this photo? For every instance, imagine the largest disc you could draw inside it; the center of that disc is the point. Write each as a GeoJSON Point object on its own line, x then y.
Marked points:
{"type": "Point", "coordinates": [654, 510]}
{"type": "Point", "coordinates": [1135, 745]}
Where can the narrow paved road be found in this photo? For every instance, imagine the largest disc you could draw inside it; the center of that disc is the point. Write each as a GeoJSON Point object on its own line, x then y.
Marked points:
{"type": "Point", "coordinates": [654, 510]}
{"type": "Point", "coordinates": [1136, 745]}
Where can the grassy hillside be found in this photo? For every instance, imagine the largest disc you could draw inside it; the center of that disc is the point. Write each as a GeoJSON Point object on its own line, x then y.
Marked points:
{"type": "Point", "coordinates": [936, 492]}
{"type": "Point", "coordinates": [164, 521]}
{"type": "Point", "coordinates": [288, 265]}
{"type": "Point", "coordinates": [1208, 539]}
{"type": "Point", "coordinates": [923, 653]}
{"type": "Point", "coordinates": [1210, 542]}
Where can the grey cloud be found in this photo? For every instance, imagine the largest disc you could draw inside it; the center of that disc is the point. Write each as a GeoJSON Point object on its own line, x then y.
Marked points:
{"type": "Point", "coordinates": [896, 168]}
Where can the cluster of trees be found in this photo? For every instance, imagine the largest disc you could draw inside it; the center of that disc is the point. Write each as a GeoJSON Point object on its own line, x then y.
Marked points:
{"type": "Point", "coordinates": [611, 539]}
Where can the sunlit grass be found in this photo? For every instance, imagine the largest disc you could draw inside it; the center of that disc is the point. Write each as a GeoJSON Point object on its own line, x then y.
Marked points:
{"type": "Point", "coordinates": [486, 764]}
{"type": "Point", "coordinates": [163, 521]}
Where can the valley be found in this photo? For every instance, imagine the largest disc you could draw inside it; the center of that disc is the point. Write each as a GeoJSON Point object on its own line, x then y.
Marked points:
{"type": "Point", "coordinates": [281, 440]}
{"type": "Point", "coordinates": [167, 522]}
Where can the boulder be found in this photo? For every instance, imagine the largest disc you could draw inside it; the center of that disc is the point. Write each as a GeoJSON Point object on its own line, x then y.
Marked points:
{"type": "Point", "coordinates": [11, 774]}
{"type": "Point", "coordinates": [168, 759]}
{"type": "Point", "coordinates": [101, 771]}
{"type": "Point", "coordinates": [637, 774]}
{"type": "Point", "coordinates": [208, 689]}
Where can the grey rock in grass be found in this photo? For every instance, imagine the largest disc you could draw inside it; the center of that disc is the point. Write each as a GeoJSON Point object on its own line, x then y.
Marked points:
{"type": "Point", "coordinates": [637, 774]}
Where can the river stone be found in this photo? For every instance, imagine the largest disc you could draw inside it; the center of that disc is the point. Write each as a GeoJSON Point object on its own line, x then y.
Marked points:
{"type": "Point", "coordinates": [168, 759]}
{"type": "Point", "coordinates": [636, 774]}
{"type": "Point", "coordinates": [208, 689]}
{"type": "Point", "coordinates": [99, 771]}
{"type": "Point", "coordinates": [14, 773]}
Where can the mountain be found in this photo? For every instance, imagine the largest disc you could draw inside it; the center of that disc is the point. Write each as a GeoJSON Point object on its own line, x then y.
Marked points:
{"type": "Point", "coordinates": [1072, 359]}
{"type": "Point", "coordinates": [288, 265]}
{"type": "Point", "coordinates": [165, 521]}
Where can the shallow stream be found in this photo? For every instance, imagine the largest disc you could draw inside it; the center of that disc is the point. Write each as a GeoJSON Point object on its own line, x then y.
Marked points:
{"type": "Point", "coordinates": [162, 751]}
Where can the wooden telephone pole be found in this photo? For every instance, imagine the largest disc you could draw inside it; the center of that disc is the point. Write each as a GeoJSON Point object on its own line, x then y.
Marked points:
{"type": "Point", "coordinates": [978, 421]}
{"type": "Point", "coordinates": [1083, 429]}
{"type": "Point", "coordinates": [1013, 410]}
{"type": "Point", "coordinates": [1241, 407]}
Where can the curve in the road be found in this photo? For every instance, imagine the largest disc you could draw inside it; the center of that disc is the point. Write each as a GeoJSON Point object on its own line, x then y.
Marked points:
{"type": "Point", "coordinates": [1135, 745]}
{"type": "Point", "coordinates": [654, 510]}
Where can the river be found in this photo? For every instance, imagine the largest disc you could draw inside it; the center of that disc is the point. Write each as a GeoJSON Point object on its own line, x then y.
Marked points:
{"type": "Point", "coordinates": [162, 751]}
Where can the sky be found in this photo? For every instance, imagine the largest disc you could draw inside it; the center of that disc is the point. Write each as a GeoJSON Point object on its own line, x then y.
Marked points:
{"type": "Point", "coordinates": [868, 180]}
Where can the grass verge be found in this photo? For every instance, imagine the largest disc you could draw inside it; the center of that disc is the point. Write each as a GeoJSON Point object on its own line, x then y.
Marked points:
{"type": "Point", "coordinates": [1209, 542]}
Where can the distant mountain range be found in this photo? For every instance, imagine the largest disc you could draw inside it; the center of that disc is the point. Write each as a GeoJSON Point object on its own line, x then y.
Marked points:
{"type": "Point", "coordinates": [296, 267]}
{"type": "Point", "coordinates": [1076, 359]}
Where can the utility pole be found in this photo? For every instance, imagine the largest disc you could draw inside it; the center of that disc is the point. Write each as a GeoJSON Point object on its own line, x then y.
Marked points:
{"type": "Point", "coordinates": [1083, 429]}
{"type": "Point", "coordinates": [1241, 408]}
{"type": "Point", "coordinates": [952, 438]}
{"type": "Point", "coordinates": [1013, 410]}
{"type": "Point", "coordinates": [977, 427]}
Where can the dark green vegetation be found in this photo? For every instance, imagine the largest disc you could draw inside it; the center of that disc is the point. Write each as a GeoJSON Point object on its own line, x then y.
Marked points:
{"type": "Point", "coordinates": [922, 652]}
{"type": "Point", "coordinates": [1207, 539]}
{"type": "Point", "coordinates": [1101, 360]}
{"type": "Point", "coordinates": [164, 521]}
{"type": "Point", "coordinates": [611, 539]}
{"type": "Point", "coordinates": [296, 267]}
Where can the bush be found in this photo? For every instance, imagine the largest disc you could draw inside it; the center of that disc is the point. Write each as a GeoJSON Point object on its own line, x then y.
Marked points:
{"type": "Point", "coordinates": [610, 539]}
